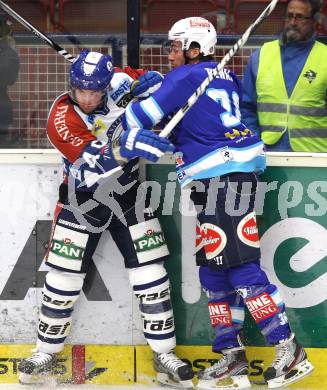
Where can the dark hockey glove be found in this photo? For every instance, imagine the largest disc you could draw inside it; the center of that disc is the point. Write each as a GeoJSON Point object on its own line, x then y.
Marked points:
{"type": "Point", "coordinates": [144, 143]}
{"type": "Point", "coordinates": [146, 84]}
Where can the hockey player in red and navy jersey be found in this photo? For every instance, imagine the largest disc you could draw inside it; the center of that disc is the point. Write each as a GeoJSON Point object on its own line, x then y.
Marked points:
{"type": "Point", "coordinates": [220, 160]}
{"type": "Point", "coordinates": [98, 194]}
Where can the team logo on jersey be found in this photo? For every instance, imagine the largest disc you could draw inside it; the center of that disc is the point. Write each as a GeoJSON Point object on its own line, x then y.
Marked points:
{"type": "Point", "coordinates": [310, 75]}
{"type": "Point", "coordinates": [211, 238]}
{"type": "Point", "coordinates": [262, 307]}
{"type": "Point", "coordinates": [98, 127]}
{"type": "Point", "coordinates": [220, 314]}
{"type": "Point", "coordinates": [247, 230]}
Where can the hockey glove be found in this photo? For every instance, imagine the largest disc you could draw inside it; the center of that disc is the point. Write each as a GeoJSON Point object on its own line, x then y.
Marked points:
{"type": "Point", "coordinates": [146, 84]}
{"type": "Point", "coordinates": [144, 143]}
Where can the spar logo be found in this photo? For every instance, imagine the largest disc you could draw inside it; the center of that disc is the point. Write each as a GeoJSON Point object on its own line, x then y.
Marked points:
{"type": "Point", "coordinates": [261, 307]}
{"type": "Point", "coordinates": [66, 248]}
{"type": "Point", "coordinates": [211, 238]}
{"type": "Point", "coordinates": [150, 240]}
{"type": "Point", "coordinates": [220, 313]}
{"type": "Point", "coordinates": [247, 230]}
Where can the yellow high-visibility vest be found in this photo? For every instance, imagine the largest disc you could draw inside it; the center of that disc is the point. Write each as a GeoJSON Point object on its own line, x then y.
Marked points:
{"type": "Point", "coordinates": [304, 113]}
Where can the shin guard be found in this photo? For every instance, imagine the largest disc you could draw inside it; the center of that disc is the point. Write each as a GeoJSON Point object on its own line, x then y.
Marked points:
{"type": "Point", "coordinates": [60, 292]}
{"type": "Point", "coordinates": [226, 311]}
{"type": "Point", "coordinates": [268, 310]}
{"type": "Point", "coordinates": [151, 285]}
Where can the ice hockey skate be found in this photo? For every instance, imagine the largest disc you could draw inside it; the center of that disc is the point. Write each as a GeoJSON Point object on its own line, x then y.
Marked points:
{"type": "Point", "coordinates": [33, 370]}
{"type": "Point", "coordinates": [230, 372]}
{"type": "Point", "coordinates": [172, 371]}
{"type": "Point", "coordinates": [290, 364]}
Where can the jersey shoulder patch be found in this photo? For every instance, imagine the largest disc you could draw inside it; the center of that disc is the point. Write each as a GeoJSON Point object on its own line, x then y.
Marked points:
{"type": "Point", "coordinates": [66, 130]}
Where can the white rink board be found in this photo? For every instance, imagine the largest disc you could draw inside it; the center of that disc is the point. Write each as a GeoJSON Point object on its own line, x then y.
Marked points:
{"type": "Point", "coordinates": [29, 194]}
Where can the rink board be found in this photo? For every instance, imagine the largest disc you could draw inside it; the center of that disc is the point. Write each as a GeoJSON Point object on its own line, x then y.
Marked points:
{"type": "Point", "coordinates": [294, 254]}
{"type": "Point", "coordinates": [293, 245]}
{"type": "Point", "coordinates": [128, 365]}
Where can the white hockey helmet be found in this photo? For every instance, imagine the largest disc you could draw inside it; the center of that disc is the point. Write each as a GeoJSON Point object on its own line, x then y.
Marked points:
{"type": "Point", "coordinates": [194, 29]}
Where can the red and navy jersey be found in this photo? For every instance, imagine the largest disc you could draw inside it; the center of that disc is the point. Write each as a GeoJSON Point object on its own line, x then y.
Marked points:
{"type": "Point", "coordinates": [84, 140]}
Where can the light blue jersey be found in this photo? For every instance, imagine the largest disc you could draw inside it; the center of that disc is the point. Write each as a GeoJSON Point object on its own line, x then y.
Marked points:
{"type": "Point", "coordinates": [210, 140]}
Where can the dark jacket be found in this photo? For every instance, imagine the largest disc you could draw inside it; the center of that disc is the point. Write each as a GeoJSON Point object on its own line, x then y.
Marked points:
{"type": "Point", "coordinates": [9, 67]}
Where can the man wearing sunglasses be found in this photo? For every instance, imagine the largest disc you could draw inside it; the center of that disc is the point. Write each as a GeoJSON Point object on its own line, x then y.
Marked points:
{"type": "Point", "coordinates": [285, 85]}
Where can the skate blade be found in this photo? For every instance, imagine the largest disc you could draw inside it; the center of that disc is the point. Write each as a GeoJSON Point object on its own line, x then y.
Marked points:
{"type": "Point", "coordinates": [36, 380]}
{"type": "Point", "coordinates": [239, 382]}
{"type": "Point", "coordinates": [167, 380]}
{"type": "Point", "coordinates": [28, 379]}
{"type": "Point", "coordinates": [298, 372]}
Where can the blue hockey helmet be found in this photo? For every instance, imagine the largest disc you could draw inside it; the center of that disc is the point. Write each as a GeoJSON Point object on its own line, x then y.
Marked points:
{"type": "Point", "coordinates": [91, 70]}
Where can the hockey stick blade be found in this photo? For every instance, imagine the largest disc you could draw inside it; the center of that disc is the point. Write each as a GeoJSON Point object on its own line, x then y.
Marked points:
{"type": "Point", "coordinates": [200, 90]}
{"type": "Point", "coordinates": [35, 31]}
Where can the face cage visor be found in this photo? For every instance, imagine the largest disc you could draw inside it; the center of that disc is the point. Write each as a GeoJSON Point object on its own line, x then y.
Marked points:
{"type": "Point", "coordinates": [72, 94]}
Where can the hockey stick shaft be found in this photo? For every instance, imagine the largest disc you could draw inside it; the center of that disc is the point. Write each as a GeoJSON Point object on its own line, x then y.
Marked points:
{"type": "Point", "coordinates": [35, 31]}
{"type": "Point", "coordinates": [200, 90]}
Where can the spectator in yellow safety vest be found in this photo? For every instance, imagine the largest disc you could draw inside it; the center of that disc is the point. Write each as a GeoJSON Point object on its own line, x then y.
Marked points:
{"type": "Point", "coordinates": [285, 85]}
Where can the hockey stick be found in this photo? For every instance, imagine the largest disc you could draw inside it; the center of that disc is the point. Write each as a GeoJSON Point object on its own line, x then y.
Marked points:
{"type": "Point", "coordinates": [38, 33]}
{"type": "Point", "coordinates": [200, 90]}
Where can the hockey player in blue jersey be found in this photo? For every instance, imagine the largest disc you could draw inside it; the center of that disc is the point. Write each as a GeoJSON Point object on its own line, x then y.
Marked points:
{"type": "Point", "coordinates": [221, 160]}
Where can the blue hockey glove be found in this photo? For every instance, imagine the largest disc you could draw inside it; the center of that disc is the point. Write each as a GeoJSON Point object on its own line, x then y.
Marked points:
{"type": "Point", "coordinates": [146, 84]}
{"type": "Point", "coordinates": [144, 143]}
